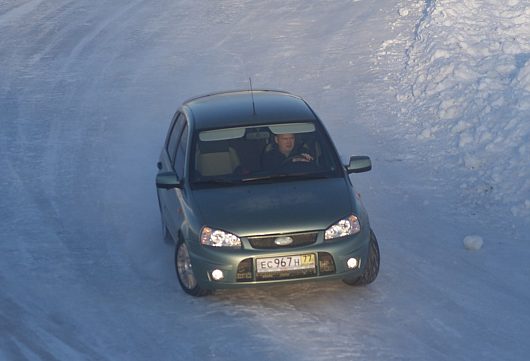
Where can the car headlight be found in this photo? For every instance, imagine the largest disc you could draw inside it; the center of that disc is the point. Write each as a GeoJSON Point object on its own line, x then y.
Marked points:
{"type": "Point", "coordinates": [344, 227]}
{"type": "Point", "coordinates": [218, 238]}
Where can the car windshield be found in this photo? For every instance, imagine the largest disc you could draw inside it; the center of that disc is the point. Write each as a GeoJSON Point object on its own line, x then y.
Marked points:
{"type": "Point", "coordinates": [262, 153]}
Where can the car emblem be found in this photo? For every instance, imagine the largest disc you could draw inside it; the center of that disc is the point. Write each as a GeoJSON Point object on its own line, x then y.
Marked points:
{"type": "Point", "coordinates": [283, 241]}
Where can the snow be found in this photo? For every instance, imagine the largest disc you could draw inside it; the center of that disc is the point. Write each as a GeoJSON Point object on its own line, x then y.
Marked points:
{"type": "Point", "coordinates": [466, 84]}
{"type": "Point", "coordinates": [403, 12]}
{"type": "Point", "coordinates": [437, 92]}
{"type": "Point", "coordinates": [473, 243]}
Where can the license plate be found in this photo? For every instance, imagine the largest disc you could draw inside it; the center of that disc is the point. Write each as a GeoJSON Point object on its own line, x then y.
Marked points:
{"type": "Point", "coordinates": [286, 263]}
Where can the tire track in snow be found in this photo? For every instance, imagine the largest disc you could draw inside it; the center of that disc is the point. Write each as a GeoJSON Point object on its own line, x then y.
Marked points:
{"type": "Point", "coordinates": [12, 13]}
{"type": "Point", "coordinates": [44, 165]}
{"type": "Point", "coordinates": [27, 332]}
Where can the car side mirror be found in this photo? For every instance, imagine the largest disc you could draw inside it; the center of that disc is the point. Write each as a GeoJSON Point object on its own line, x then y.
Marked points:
{"type": "Point", "coordinates": [359, 164]}
{"type": "Point", "coordinates": [168, 180]}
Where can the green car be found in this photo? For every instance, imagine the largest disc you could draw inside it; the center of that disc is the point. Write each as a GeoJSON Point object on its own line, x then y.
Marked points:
{"type": "Point", "coordinates": [252, 191]}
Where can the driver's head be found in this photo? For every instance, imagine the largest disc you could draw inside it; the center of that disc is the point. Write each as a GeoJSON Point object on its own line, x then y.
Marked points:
{"type": "Point", "coordinates": [285, 143]}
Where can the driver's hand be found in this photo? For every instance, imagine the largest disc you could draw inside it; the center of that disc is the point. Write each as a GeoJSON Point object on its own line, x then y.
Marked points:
{"type": "Point", "coordinates": [303, 157]}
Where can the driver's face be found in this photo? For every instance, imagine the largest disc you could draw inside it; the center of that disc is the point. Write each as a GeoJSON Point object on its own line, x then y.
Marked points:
{"type": "Point", "coordinates": [285, 143]}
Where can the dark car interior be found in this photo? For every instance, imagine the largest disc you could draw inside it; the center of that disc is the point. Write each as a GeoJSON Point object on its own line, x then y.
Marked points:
{"type": "Point", "coordinates": [242, 156]}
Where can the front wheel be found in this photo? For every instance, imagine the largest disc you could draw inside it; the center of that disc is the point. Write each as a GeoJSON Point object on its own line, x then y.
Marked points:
{"type": "Point", "coordinates": [185, 274]}
{"type": "Point", "coordinates": [372, 265]}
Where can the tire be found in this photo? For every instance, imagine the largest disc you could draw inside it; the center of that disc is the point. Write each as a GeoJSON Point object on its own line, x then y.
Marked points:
{"type": "Point", "coordinates": [185, 274]}
{"type": "Point", "coordinates": [371, 270]}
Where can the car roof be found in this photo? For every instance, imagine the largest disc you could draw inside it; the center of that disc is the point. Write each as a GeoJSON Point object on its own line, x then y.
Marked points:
{"type": "Point", "coordinates": [236, 108]}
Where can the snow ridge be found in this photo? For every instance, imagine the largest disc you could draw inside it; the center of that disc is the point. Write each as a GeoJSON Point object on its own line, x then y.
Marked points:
{"type": "Point", "coordinates": [466, 82]}
{"type": "Point", "coordinates": [425, 10]}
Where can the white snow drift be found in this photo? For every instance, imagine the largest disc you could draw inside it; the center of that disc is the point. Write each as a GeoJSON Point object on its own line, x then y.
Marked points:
{"type": "Point", "coordinates": [466, 84]}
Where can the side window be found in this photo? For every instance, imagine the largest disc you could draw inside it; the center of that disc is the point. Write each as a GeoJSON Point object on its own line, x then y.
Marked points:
{"type": "Point", "coordinates": [181, 152]}
{"type": "Point", "coordinates": [174, 137]}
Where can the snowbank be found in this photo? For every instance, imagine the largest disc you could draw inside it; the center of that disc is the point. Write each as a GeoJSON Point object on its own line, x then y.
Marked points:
{"type": "Point", "coordinates": [466, 84]}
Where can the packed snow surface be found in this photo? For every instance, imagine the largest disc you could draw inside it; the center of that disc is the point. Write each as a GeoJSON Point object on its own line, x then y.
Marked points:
{"type": "Point", "coordinates": [437, 92]}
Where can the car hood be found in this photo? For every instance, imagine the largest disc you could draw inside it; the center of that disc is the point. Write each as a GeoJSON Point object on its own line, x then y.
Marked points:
{"type": "Point", "coordinates": [272, 208]}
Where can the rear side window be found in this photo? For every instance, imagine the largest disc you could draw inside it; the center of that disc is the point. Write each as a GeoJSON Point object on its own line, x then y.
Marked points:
{"type": "Point", "coordinates": [174, 137]}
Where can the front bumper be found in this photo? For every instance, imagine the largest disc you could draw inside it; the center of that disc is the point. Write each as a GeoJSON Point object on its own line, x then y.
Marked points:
{"type": "Point", "coordinates": [239, 266]}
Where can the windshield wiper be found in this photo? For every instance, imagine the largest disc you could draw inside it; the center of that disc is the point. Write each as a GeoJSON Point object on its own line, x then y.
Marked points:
{"type": "Point", "coordinates": [221, 181]}
{"type": "Point", "coordinates": [288, 176]}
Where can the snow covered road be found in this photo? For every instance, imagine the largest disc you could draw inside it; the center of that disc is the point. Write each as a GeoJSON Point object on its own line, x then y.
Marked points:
{"type": "Point", "coordinates": [87, 89]}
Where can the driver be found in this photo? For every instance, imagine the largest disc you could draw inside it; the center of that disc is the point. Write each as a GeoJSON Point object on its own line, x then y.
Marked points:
{"type": "Point", "coordinates": [283, 155]}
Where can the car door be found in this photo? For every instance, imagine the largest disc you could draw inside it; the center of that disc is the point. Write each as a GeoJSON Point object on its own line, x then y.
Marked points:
{"type": "Point", "coordinates": [173, 160]}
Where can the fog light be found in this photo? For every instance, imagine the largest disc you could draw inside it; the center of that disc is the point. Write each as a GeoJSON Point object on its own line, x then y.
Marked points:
{"type": "Point", "coordinates": [352, 263]}
{"type": "Point", "coordinates": [217, 275]}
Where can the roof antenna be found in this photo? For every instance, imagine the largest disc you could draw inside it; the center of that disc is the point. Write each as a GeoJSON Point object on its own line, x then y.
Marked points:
{"type": "Point", "coordinates": [252, 94]}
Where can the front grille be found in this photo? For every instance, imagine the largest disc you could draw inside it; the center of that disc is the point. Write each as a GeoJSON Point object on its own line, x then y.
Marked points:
{"type": "Point", "coordinates": [326, 263]}
{"type": "Point", "coordinates": [285, 275]}
{"type": "Point", "coordinates": [245, 269]}
{"type": "Point", "coordinates": [268, 242]}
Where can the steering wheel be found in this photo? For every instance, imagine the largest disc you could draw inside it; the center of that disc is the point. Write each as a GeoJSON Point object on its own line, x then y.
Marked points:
{"type": "Point", "coordinates": [297, 166]}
